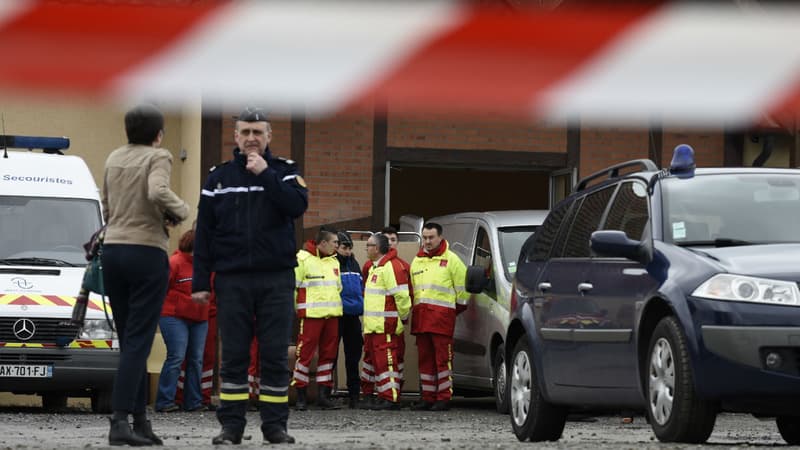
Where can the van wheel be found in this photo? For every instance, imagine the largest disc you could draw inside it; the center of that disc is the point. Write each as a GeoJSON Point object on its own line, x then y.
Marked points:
{"type": "Point", "coordinates": [674, 410]}
{"type": "Point", "coordinates": [789, 426]}
{"type": "Point", "coordinates": [531, 416]}
{"type": "Point", "coordinates": [500, 380]}
{"type": "Point", "coordinates": [54, 400]}
{"type": "Point", "coordinates": [101, 401]}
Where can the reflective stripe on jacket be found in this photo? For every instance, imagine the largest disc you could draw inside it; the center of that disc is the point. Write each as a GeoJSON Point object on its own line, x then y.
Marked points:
{"type": "Point", "coordinates": [318, 284]}
{"type": "Point", "coordinates": [386, 296]}
{"type": "Point", "coordinates": [438, 282]}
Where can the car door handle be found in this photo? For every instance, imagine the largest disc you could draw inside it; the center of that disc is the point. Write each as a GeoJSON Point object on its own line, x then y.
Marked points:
{"type": "Point", "coordinates": [584, 287]}
{"type": "Point", "coordinates": [545, 286]}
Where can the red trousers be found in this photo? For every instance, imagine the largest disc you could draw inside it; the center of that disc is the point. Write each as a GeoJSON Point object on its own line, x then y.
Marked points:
{"type": "Point", "coordinates": [209, 363]}
{"type": "Point", "coordinates": [435, 353]}
{"type": "Point", "coordinates": [379, 368]}
{"type": "Point", "coordinates": [401, 358]}
{"type": "Point", "coordinates": [316, 334]}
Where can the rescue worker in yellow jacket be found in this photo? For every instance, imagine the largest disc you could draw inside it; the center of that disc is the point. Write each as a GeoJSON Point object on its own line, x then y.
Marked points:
{"type": "Point", "coordinates": [319, 306]}
{"type": "Point", "coordinates": [386, 306]}
{"type": "Point", "coordinates": [437, 277]}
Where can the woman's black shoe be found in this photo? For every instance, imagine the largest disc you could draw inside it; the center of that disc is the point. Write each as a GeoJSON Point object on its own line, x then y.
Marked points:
{"type": "Point", "coordinates": [145, 429]}
{"type": "Point", "coordinates": [121, 434]}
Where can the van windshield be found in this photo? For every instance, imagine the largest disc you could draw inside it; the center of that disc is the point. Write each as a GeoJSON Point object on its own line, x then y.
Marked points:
{"type": "Point", "coordinates": [511, 240]}
{"type": "Point", "coordinates": [732, 209]}
{"type": "Point", "coordinates": [38, 229]}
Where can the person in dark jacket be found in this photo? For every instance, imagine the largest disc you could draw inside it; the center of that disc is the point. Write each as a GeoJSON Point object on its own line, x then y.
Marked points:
{"type": "Point", "coordinates": [245, 234]}
{"type": "Point", "coordinates": [353, 308]}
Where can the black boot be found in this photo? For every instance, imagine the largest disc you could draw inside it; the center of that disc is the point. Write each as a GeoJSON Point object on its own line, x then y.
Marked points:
{"type": "Point", "coordinates": [385, 405]}
{"type": "Point", "coordinates": [324, 398]}
{"type": "Point", "coordinates": [145, 430]}
{"type": "Point", "coordinates": [300, 404]}
{"type": "Point", "coordinates": [352, 402]}
{"type": "Point", "coordinates": [279, 437]}
{"type": "Point", "coordinates": [440, 405]}
{"type": "Point", "coordinates": [227, 437]}
{"type": "Point", "coordinates": [121, 434]}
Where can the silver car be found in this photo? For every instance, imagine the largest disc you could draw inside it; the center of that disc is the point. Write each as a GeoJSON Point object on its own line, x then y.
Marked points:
{"type": "Point", "coordinates": [489, 242]}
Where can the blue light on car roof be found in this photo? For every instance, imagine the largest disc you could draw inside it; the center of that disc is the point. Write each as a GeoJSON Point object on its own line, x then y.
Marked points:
{"type": "Point", "coordinates": [48, 144]}
{"type": "Point", "coordinates": [682, 165]}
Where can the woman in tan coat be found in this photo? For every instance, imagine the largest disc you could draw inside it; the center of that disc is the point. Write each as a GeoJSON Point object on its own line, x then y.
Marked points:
{"type": "Point", "coordinates": [138, 206]}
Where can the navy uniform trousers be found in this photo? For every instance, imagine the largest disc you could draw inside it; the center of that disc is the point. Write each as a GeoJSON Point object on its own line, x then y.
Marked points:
{"type": "Point", "coordinates": [260, 302]}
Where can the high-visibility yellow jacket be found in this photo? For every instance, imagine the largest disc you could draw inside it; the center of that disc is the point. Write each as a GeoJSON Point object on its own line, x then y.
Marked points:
{"type": "Point", "coordinates": [318, 284]}
{"type": "Point", "coordinates": [438, 281]}
{"type": "Point", "coordinates": [386, 296]}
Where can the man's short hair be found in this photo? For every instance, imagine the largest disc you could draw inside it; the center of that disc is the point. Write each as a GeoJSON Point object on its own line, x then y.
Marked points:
{"type": "Point", "coordinates": [389, 230]}
{"type": "Point", "coordinates": [325, 232]}
{"type": "Point", "coordinates": [382, 241]}
{"type": "Point", "coordinates": [143, 123]}
{"type": "Point", "coordinates": [433, 226]}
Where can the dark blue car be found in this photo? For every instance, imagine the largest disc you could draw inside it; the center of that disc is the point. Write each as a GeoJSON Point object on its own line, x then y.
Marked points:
{"type": "Point", "coordinates": [672, 292]}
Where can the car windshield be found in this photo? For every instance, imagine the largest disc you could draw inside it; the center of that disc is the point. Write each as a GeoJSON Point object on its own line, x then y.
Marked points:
{"type": "Point", "coordinates": [45, 230]}
{"type": "Point", "coordinates": [732, 209]}
{"type": "Point", "coordinates": [511, 240]}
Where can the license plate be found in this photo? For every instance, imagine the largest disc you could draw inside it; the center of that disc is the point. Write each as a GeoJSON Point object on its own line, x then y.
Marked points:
{"type": "Point", "coordinates": [26, 371]}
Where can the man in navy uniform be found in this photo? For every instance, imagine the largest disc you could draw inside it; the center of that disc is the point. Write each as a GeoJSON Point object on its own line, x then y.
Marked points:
{"type": "Point", "coordinates": [245, 234]}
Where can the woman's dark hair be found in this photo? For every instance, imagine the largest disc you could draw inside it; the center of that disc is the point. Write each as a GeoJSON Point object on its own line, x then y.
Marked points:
{"type": "Point", "coordinates": [143, 123]}
{"type": "Point", "coordinates": [383, 243]}
{"type": "Point", "coordinates": [186, 244]}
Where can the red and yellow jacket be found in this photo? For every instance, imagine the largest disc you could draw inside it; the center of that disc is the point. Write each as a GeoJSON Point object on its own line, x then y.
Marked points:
{"type": "Point", "coordinates": [438, 281]}
{"type": "Point", "coordinates": [386, 296]}
{"type": "Point", "coordinates": [318, 284]}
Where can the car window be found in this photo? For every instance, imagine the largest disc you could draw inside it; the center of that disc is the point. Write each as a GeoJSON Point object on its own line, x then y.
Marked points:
{"type": "Point", "coordinates": [537, 248]}
{"type": "Point", "coordinates": [483, 258]}
{"type": "Point", "coordinates": [628, 211]}
{"type": "Point", "coordinates": [511, 240]}
{"type": "Point", "coordinates": [587, 218]}
{"type": "Point", "coordinates": [726, 209]}
{"type": "Point", "coordinates": [459, 237]}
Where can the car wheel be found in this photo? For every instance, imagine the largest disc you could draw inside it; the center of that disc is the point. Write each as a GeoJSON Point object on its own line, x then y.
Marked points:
{"type": "Point", "coordinates": [674, 410]}
{"type": "Point", "coordinates": [54, 400]}
{"type": "Point", "coordinates": [789, 426]}
{"type": "Point", "coordinates": [531, 416]}
{"type": "Point", "coordinates": [500, 384]}
{"type": "Point", "coordinates": [101, 401]}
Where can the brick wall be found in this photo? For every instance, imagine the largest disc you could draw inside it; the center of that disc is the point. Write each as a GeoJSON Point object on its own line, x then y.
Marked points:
{"type": "Point", "coordinates": [338, 169]}
{"type": "Point", "coordinates": [602, 147]}
{"type": "Point", "coordinates": [444, 131]}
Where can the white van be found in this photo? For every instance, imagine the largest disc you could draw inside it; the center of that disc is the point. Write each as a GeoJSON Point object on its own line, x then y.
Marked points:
{"type": "Point", "coordinates": [50, 206]}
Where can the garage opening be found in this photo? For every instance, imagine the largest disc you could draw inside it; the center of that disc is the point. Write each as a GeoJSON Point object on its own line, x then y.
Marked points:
{"type": "Point", "coordinates": [434, 191]}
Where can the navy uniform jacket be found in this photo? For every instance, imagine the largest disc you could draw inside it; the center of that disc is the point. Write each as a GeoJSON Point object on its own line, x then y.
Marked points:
{"type": "Point", "coordinates": [245, 222]}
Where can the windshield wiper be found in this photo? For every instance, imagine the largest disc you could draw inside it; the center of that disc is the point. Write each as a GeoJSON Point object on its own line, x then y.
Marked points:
{"type": "Point", "coordinates": [718, 242]}
{"type": "Point", "coordinates": [37, 262]}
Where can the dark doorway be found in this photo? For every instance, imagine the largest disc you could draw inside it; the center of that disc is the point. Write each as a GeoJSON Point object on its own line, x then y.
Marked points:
{"type": "Point", "coordinates": [429, 192]}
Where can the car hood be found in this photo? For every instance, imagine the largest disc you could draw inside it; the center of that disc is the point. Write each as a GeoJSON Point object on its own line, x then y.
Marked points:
{"type": "Point", "coordinates": [35, 291]}
{"type": "Point", "coordinates": [780, 261]}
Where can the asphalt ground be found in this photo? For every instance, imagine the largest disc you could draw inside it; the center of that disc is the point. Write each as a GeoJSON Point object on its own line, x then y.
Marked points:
{"type": "Point", "coordinates": [470, 424]}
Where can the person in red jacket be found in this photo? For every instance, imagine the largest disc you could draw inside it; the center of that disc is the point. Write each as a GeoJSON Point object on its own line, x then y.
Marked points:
{"type": "Point", "coordinates": [184, 325]}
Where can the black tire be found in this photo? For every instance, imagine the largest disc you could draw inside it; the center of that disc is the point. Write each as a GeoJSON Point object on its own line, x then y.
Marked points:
{"type": "Point", "coordinates": [674, 410]}
{"type": "Point", "coordinates": [54, 400]}
{"type": "Point", "coordinates": [532, 418]}
{"type": "Point", "coordinates": [101, 401]}
{"type": "Point", "coordinates": [789, 426]}
{"type": "Point", "coordinates": [500, 384]}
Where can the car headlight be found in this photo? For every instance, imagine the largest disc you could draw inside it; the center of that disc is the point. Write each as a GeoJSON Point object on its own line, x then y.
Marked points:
{"type": "Point", "coordinates": [96, 329]}
{"type": "Point", "coordinates": [740, 288]}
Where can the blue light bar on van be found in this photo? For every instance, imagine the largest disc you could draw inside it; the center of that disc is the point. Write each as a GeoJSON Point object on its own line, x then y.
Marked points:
{"type": "Point", "coordinates": [682, 165]}
{"type": "Point", "coordinates": [48, 144]}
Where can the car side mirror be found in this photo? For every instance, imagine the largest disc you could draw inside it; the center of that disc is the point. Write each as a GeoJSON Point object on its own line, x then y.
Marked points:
{"type": "Point", "coordinates": [476, 279]}
{"type": "Point", "coordinates": [614, 243]}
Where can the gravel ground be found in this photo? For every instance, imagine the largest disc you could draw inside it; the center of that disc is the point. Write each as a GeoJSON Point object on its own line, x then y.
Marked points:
{"type": "Point", "coordinates": [471, 424]}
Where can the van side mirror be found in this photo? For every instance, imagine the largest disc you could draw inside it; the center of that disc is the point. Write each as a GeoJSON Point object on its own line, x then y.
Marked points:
{"type": "Point", "coordinates": [615, 243]}
{"type": "Point", "coordinates": [476, 279]}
